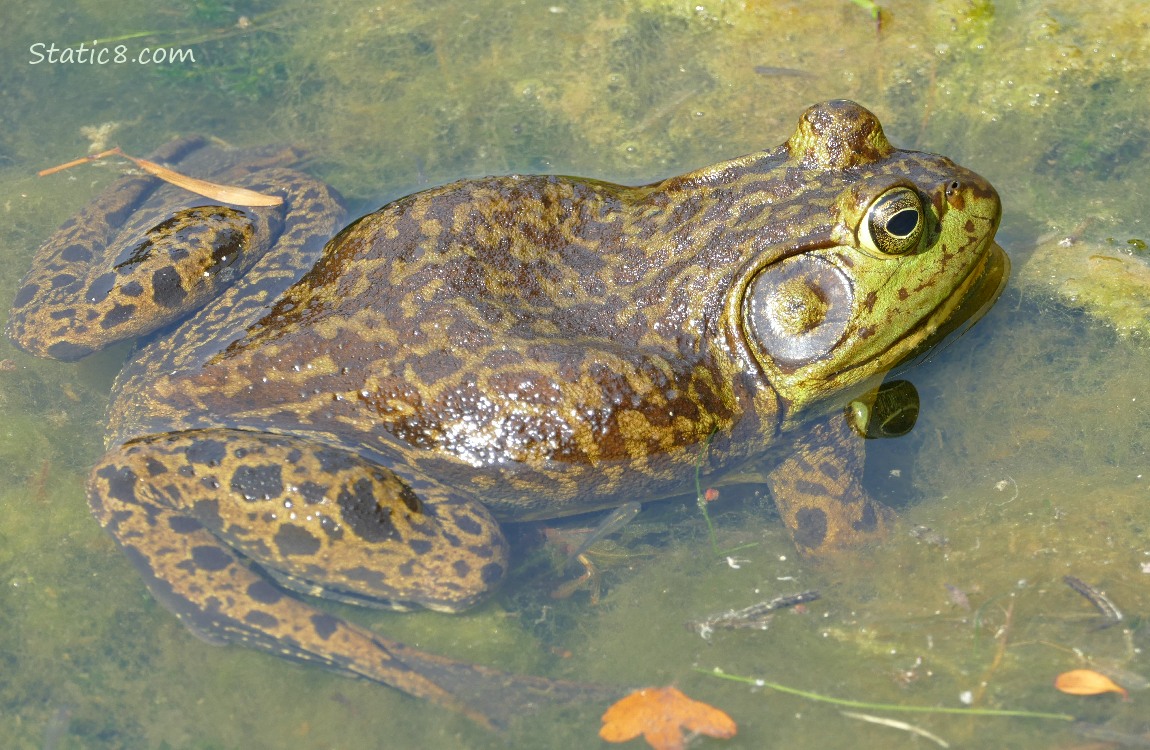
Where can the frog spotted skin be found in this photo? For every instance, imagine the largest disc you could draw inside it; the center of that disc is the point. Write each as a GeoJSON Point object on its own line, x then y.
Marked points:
{"type": "Point", "coordinates": [500, 349]}
{"type": "Point", "coordinates": [145, 254]}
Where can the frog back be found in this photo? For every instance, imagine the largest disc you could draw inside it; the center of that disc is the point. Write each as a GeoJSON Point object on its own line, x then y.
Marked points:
{"type": "Point", "coordinates": [510, 334]}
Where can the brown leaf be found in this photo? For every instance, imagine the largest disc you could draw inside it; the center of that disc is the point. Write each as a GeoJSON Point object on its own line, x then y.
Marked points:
{"type": "Point", "coordinates": [225, 193]}
{"type": "Point", "coordinates": [661, 715]}
{"type": "Point", "coordinates": [1087, 682]}
{"type": "Point", "coordinates": [237, 196]}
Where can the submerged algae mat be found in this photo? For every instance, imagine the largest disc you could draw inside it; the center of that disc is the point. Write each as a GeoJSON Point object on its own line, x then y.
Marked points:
{"type": "Point", "coordinates": [1030, 460]}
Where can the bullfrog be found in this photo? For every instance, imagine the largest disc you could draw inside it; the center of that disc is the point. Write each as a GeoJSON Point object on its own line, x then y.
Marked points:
{"type": "Point", "coordinates": [354, 420]}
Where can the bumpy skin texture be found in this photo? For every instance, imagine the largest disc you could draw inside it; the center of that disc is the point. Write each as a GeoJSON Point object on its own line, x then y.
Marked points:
{"type": "Point", "coordinates": [507, 348]}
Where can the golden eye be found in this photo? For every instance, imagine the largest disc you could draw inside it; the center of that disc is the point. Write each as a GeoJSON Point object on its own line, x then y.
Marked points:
{"type": "Point", "coordinates": [894, 223]}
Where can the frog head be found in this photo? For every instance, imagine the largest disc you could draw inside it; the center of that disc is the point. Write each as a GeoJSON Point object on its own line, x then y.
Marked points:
{"type": "Point", "coordinates": [891, 251]}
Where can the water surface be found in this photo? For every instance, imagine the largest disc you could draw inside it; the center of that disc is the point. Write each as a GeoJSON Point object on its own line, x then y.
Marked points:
{"type": "Point", "coordinates": [1029, 463]}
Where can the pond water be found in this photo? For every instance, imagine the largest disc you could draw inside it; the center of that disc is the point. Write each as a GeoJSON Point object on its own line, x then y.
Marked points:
{"type": "Point", "coordinates": [1029, 462]}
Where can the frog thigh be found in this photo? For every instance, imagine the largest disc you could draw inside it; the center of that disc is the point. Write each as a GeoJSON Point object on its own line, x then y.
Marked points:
{"type": "Point", "coordinates": [819, 493]}
{"type": "Point", "coordinates": [158, 496]}
{"type": "Point", "coordinates": [322, 518]}
{"type": "Point", "coordinates": [144, 254]}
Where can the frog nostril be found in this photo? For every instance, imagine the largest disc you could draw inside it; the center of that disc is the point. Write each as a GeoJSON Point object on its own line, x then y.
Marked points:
{"type": "Point", "coordinates": [955, 195]}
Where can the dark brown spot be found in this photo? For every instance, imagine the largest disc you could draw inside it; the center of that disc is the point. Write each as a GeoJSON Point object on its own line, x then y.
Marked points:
{"type": "Point", "coordinates": [325, 625]}
{"type": "Point", "coordinates": [167, 289]}
{"type": "Point", "coordinates": [209, 452]}
{"type": "Point", "coordinates": [210, 557]}
{"type": "Point", "coordinates": [258, 482]}
{"type": "Point", "coordinates": [295, 540]}
{"type": "Point", "coordinates": [207, 512]}
{"type": "Point", "coordinates": [99, 288]}
{"type": "Point", "coordinates": [264, 592]}
{"type": "Point", "coordinates": [26, 294]}
{"type": "Point", "coordinates": [121, 483]}
{"type": "Point", "coordinates": [364, 514]}
{"type": "Point", "coordinates": [183, 524]}
{"type": "Point", "coordinates": [468, 525]}
{"type": "Point", "coordinates": [75, 254]}
{"type": "Point", "coordinates": [261, 619]}
{"type": "Point", "coordinates": [68, 352]}
{"type": "Point", "coordinates": [810, 528]}
{"type": "Point", "coordinates": [311, 492]}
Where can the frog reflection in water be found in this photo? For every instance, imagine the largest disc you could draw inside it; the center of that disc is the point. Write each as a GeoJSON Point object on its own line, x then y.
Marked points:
{"type": "Point", "coordinates": [353, 420]}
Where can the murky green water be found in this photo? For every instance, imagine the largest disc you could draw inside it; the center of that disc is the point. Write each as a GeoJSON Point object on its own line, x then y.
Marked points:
{"type": "Point", "coordinates": [1030, 458]}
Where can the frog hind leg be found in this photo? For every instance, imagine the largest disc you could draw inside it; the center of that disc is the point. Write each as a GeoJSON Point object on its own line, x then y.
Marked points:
{"type": "Point", "coordinates": [144, 254]}
{"type": "Point", "coordinates": [818, 491]}
{"type": "Point", "coordinates": [170, 502]}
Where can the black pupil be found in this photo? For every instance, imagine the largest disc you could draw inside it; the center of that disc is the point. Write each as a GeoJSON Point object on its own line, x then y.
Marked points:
{"type": "Point", "coordinates": [903, 223]}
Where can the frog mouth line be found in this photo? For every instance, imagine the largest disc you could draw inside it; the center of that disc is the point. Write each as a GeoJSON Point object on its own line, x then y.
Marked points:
{"type": "Point", "coordinates": [973, 297]}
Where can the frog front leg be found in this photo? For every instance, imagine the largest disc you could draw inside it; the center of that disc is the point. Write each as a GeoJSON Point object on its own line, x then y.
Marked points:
{"type": "Point", "coordinates": [819, 492]}
{"type": "Point", "coordinates": [200, 513]}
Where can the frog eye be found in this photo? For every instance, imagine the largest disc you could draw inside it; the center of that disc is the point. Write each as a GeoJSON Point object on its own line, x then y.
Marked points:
{"type": "Point", "coordinates": [893, 224]}
{"type": "Point", "coordinates": [798, 309]}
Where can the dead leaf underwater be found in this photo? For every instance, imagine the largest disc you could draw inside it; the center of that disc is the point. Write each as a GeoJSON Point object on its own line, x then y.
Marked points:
{"type": "Point", "coordinates": [661, 715]}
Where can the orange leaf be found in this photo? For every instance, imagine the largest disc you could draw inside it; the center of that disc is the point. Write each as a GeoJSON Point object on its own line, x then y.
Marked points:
{"type": "Point", "coordinates": [661, 715]}
{"type": "Point", "coordinates": [237, 196]}
{"type": "Point", "coordinates": [224, 193]}
{"type": "Point", "coordinates": [1087, 682]}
